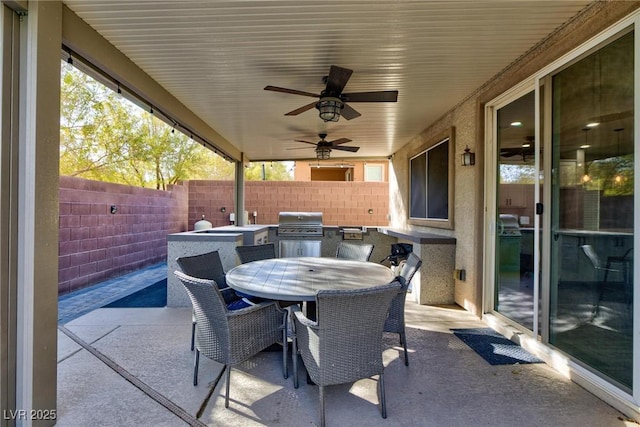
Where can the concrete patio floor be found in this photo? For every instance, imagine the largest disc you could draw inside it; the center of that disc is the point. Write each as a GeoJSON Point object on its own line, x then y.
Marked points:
{"type": "Point", "coordinates": [133, 366]}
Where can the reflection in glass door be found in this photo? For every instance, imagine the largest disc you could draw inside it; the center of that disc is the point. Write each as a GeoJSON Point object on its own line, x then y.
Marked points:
{"type": "Point", "coordinates": [515, 210]}
{"type": "Point", "coordinates": [592, 198]}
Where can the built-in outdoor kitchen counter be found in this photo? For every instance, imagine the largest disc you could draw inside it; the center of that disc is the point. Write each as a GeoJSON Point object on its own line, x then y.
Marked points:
{"type": "Point", "coordinates": [433, 283]}
{"type": "Point", "coordinates": [437, 253]}
{"type": "Point", "coordinates": [194, 243]}
{"type": "Point", "coordinates": [225, 239]}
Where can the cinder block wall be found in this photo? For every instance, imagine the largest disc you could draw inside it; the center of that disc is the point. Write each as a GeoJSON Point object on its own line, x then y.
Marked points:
{"type": "Point", "coordinates": [342, 203]}
{"type": "Point", "coordinates": [95, 245]}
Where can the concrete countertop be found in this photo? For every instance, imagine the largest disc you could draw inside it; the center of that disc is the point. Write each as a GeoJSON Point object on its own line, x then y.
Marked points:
{"type": "Point", "coordinates": [202, 235]}
{"type": "Point", "coordinates": [420, 237]}
{"type": "Point", "coordinates": [238, 228]}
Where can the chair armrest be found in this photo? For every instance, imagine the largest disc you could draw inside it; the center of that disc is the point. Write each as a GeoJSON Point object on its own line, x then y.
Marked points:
{"type": "Point", "coordinates": [304, 320]}
{"type": "Point", "coordinates": [266, 305]}
{"type": "Point", "coordinates": [610, 260]}
{"type": "Point", "coordinates": [267, 316]}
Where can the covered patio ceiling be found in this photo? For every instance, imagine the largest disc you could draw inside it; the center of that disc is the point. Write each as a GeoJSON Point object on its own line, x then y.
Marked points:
{"type": "Point", "coordinates": [216, 57]}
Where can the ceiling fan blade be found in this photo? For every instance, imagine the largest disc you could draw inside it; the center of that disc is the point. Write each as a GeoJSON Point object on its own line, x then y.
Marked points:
{"type": "Point", "coordinates": [349, 112]}
{"type": "Point", "coordinates": [509, 153]}
{"type": "Point", "coordinates": [611, 117]}
{"type": "Point", "coordinates": [343, 148]}
{"type": "Point", "coordinates": [306, 142]}
{"type": "Point", "coordinates": [380, 96]}
{"type": "Point", "coordinates": [292, 91]}
{"type": "Point", "coordinates": [339, 141]}
{"type": "Point", "coordinates": [337, 80]}
{"type": "Point", "coordinates": [301, 109]}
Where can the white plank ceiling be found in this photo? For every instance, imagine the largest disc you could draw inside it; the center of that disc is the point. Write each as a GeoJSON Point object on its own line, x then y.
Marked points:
{"type": "Point", "coordinates": [217, 56]}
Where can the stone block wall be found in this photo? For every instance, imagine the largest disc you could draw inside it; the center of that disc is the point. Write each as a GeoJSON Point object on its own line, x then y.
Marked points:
{"type": "Point", "coordinates": [95, 244]}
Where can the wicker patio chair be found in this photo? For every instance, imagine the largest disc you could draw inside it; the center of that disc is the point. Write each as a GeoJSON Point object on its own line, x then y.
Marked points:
{"type": "Point", "coordinates": [395, 319]}
{"type": "Point", "coordinates": [250, 253]}
{"type": "Point", "coordinates": [354, 251]}
{"type": "Point", "coordinates": [345, 343]}
{"type": "Point", "coordinates": [206, 266]}
{"type": "Point", "coordinates": [231, 336]}
{"type": "Point", "coordinates": [602, 271]}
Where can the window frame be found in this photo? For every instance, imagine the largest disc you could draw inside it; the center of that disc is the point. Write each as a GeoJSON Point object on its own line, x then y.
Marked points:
{"type": "Point", "coordinates": [375, 166]}
{"type": "Point", "coordinates": [446, 223]}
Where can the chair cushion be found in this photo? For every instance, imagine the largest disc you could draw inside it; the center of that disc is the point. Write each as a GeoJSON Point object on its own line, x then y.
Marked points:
{"type": "Point", "coordinates": [240, 303]}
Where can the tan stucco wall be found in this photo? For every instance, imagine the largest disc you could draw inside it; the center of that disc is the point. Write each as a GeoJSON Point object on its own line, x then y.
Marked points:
{"type": "Point", "coordinates": [302, 171]}
{"type": "Point", "coordinates": [468, 121]}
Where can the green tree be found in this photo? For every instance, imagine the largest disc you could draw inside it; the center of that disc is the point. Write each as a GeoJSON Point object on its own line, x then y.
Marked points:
{"type": "Point", "coordinates": [269, 171]}
{"type": "Point", "coordinates": [614, 175]}
{"type": "Point", "coordinates": [107, 138]}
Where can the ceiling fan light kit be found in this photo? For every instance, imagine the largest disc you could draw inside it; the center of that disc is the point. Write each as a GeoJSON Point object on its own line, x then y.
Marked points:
{"type": "Point", "coordinates": [323, 153]}
{"type": "Point", "coordinates": [332, 103]}
{"type": "Point", "coordinates": [329, 108]}
{"type": "Point", "coordinates": [324, 147]}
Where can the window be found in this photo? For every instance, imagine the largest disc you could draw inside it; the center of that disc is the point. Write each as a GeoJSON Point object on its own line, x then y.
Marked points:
{"type": "Point", "coordinates": [374, 173]}
{"type": "Point", "coordinates": [431, 184]}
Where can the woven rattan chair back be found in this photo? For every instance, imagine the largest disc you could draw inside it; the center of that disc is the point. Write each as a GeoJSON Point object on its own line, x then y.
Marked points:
{"type": "Point", "coordinates": [204, 266]}
{"type": "Point", "coordinates": [354, 251]}
{"type": "Point", "coordinates": [231, 336]}
{"type": "Point", "coordinates": [345, 344]}
{"type": "Point", "coordinates": [410, 267]}
{"type": "Point", "coordinates": [395, 320]}
{"type": "Point", "coordinates": [251, 253]}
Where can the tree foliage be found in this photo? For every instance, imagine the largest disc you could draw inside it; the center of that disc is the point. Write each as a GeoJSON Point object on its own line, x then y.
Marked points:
{"type": "Point", "coordinates": [269, 171]}
{"type": "Point", "coordinates": [614, 176]}
{"type": "Point", "coordinates": [104, 137]}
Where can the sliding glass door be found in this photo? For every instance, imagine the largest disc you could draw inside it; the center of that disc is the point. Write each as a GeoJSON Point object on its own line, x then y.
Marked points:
{"type": "Point", "coordinates": [561, 211]}
{"type": "Point", "coordinates": [515, 210]}
{"type": "Point", "coordinates": [592, 216]}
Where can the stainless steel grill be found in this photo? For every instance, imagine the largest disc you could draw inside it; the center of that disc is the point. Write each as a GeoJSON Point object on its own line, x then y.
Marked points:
{"type": "Point", "coordinates": [508, 225]}
{"type": "Point", "coordinates": [300, 224]}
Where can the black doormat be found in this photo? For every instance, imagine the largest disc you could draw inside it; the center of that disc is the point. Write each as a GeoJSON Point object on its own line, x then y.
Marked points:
{"type": "Point", "coordinates": [494, 348]}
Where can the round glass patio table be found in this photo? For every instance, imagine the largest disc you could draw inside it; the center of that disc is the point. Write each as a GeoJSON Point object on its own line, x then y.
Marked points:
{"type": "Point", "coordinates": [299, 279]}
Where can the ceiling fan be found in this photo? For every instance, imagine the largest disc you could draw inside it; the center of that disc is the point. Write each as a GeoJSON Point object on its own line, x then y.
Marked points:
{"type": "Point", "coordinates": [524, 150]}
{"type": "Point", "coordinates": [332, 102]}
{"type": "Point", "coordinates": [324, 147]}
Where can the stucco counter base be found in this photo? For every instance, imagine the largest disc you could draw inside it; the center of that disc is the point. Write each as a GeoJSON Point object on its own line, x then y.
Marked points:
{"type": "Point", "coordinates": [192, 243]}
{"type": "Point", "coordinates": [433, 284]}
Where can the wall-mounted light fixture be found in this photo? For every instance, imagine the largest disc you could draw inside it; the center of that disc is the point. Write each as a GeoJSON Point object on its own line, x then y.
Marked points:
{"type": "Point", "coordinates": [113, 209]}
{"type": "Point", "coordinates": [223, 209]}
{"type": "Point", "coordinates": [468, 158]}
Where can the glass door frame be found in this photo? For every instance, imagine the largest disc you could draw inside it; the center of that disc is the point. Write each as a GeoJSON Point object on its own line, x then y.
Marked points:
{"type": "Point", "coordinates": [490, 208]}
{"type": "Point", "coordinates": [540, 82]}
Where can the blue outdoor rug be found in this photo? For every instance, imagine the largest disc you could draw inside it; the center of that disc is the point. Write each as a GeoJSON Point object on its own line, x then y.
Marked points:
{"type": "Point", "coordinates": [494, 348]}
{"type": "Point", "coordinates": [151, 296]}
